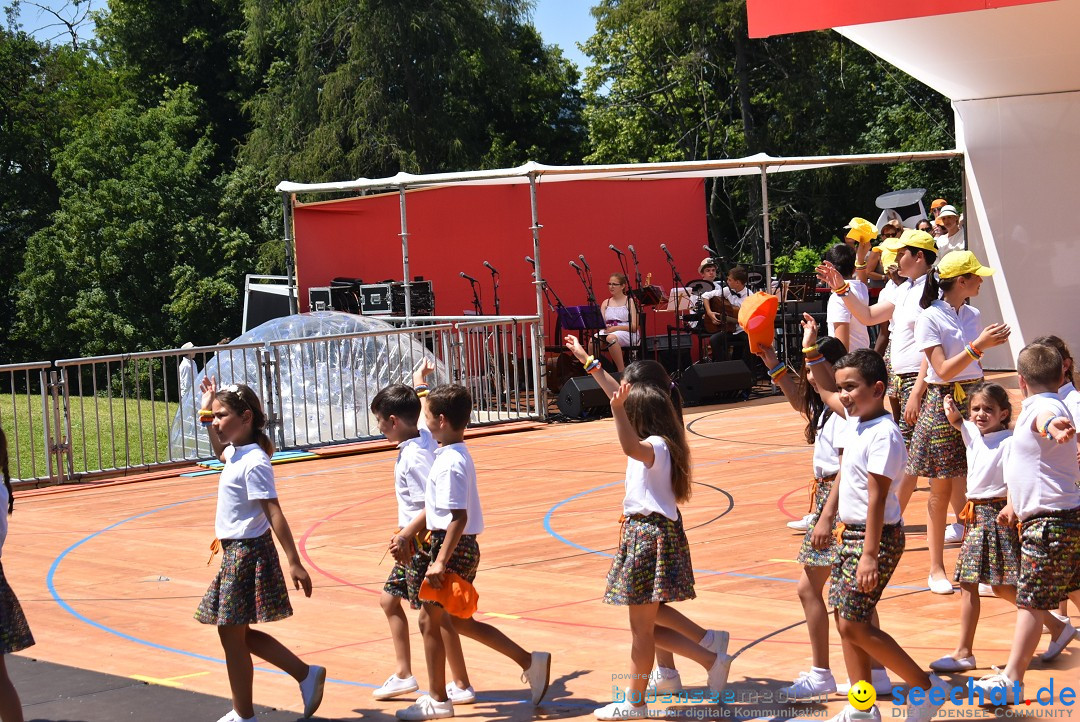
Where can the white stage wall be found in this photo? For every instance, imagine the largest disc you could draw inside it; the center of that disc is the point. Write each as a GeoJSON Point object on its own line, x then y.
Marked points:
{"type": "Point", "coordinates": [1022, 163]}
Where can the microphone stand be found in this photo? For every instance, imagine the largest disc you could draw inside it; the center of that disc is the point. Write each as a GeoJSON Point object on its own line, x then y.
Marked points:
{"type": "Point", "coordinates": [676, 282]}
{"type": "Point", "coordinates": [588, 287]}
{"type": "Point", "coordinates": [477, 306]}
{"type": "Point", "coordinates": [637, 295]}
{"type": "Point", "coordinates": [588, 275]}
{"type": "Point", "coordinates": [495, 288]}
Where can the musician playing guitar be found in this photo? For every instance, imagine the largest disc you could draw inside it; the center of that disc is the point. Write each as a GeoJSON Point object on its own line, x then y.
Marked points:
{"type": "Point", "coordinates": [722, 314]}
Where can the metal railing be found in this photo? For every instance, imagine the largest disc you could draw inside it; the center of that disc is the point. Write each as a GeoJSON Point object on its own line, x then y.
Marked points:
{"type": "Point", "coordinates": [109, 414]}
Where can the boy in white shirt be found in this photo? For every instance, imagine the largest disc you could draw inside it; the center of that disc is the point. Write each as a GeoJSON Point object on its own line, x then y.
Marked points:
{"type": "Point", "coordinates": [1042, 474]}
{"type": "Point", "coordinates": [871, 534]}
{"type": "Point", "coordinates": [453, 515]}
{"type": "Point", "coordinates": [843, 326]}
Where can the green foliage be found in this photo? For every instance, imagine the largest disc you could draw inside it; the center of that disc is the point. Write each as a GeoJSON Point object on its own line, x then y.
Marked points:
{"type": "Point", "coordinates": [803, 259]}
{"type": "Point", "coordinates": [136, 257]}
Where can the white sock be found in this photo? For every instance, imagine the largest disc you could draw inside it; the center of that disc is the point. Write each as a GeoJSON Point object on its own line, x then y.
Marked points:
{"type": "Point", "coordinates": [823, 673]}
{"type": "Point", "coordinates": [707, 639]}
{"type": "Point", "coordinates": [666, 672]}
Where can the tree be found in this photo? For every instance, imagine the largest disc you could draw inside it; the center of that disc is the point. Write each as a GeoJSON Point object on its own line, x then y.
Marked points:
{"type": "Point", "coordinates": [137, 256]}
{"type": "Point", "coordinates": [369, 88]}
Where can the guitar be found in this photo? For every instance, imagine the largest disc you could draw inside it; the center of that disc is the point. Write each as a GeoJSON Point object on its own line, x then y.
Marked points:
{"type": "Point", "coordinates": [728, 316]}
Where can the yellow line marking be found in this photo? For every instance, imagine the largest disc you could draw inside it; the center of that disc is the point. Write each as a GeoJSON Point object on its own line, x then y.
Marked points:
{"type": "Point", "coordinates": [166, 681]}
{"type": "Point", "coordinates": [789, 561]}
{"type": "Point", "coordinates": [500, 616]}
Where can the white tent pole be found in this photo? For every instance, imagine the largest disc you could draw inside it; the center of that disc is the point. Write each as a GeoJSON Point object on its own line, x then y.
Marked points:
{"type": "Point", "coordinates": [765, 228]}
{"type": "Point", "coordinates": [405, 255]}
{"type": "Point", "coordinates": [539, 368]}
{"type": "Point", "coordinates": [290, 275]}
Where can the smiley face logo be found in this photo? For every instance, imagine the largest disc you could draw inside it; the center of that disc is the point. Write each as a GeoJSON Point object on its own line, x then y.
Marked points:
{"type": "Point", "coordinates": [862, 695]}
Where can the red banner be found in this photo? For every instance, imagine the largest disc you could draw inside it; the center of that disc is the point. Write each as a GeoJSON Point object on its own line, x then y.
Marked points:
{"type": "Point", "coordinates": [775, 17]}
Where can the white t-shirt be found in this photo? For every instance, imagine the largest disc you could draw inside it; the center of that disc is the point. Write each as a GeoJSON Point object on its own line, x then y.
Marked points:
{"type": "Point", "coordinates": [1071, 397]}
{"type": "Point", "coordinates": [3, 515]}
{"type": "Point", "coordinates": [246, 479]}
{"type": "Point", "coordinates": [452, 485]}
{"type": "Point", "coordinates": [411, 472]}
{"type": "Point", "coordinates": [906, 356]}
{"type": "Point", "coordinates": [829, 442]}
{"type": "Point", "coordinates": [648, 488]}
{"type": "Point", "coordinates": [836, 312]}
{"type": "Point", "coordinates": [945, 244]}
{"type": "Point", "coordinates": [942, 325]}
{"type": "Point", "coordinates": [888, 293]}
{"type": "Point", "coordinates": [985, 461]}
{"type": "Point", "coordinates": [873, 447]}
{"type": "Point", "coordinates": [188, 371]}
{"type": "Point", "coordinates": [1041, 473]}
{"type": "Point", "coordinates": [735, 298]}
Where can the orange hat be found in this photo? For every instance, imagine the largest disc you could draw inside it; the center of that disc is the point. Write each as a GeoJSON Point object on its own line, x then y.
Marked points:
{"type": "Point", "coordinates": [457, 596]}
{"type": "Point", "coordinates": [757, 316]}
{"type": "Point", "coordinates": [938, 203]}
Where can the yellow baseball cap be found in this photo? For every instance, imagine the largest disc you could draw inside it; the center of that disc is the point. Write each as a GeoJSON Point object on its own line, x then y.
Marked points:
{"type": "Point", "coordinates": [861, 230]}
{"type": "Point", "coordinates": [911, 239]}
{"type": "Point", "coordinates": [959, 263]}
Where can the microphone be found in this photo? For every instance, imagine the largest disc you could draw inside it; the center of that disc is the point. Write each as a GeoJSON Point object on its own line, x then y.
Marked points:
{"type": "Point", "coordinates": [576, 266]}
{"type": "Point", "coordinates": [707, 249]}
{"type": "Point", "coordinates": [465, 275]}
{"type": "Point", "coordinates": [612, 247]}
{"type": "Point", "coordinates": [632, 252]}
{"type": "Point", "coordinates": [665, 250]}
{"type": "Point", "coordinates": [584, 262]}
{"type": "Point", "coordinates": [530, 261]}
{"type": "Point", "coordinates": [490, 268]}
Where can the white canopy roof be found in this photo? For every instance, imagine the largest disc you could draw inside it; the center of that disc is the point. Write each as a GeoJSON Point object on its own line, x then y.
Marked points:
{"type": "Point", "coordinates": [750, 165]}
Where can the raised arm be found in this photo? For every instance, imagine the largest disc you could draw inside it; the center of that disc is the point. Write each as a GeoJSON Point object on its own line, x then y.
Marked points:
{"type": "Point", "coordinates": [786, 384]}
{"type": "Point", "coordinates": [209, 389]}
{"type": "Point", "coordinates": [820, 368]}
{"type": "Point", "coordinates": [868, 315]}
{"type": "Point", "coordinates": [419, 379]}
{"type": "Point", "coordinates": [632, 446]}
{"type": "Point", "coordinates": [603, 378]}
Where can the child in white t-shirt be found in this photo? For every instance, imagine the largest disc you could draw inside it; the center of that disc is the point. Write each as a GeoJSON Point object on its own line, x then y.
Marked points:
{"type": "Point", "coordinates": [842, 325]}
{"type": "Point", "coordinates": [250, 586]}
{"type": "Point", "coordinates": [1042, 474]}
{"type": "Point", "coordinates": [453, 515]}
{"type": "Point", "coordinates": [15, 633]}
{"type": "Point", "coordinates": [871, 534]}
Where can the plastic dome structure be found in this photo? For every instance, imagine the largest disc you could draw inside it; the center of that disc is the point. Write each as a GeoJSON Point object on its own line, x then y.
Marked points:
{"type": "Point", "coordinates": [321, 389]}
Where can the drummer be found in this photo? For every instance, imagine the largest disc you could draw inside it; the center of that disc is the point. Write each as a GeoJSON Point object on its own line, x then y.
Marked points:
{"type": "Point", "coordinates": [707, 270]}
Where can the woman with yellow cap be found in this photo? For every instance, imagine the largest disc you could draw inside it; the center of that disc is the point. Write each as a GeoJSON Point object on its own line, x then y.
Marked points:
{"type": "Point", "coordinates": [950, 333]}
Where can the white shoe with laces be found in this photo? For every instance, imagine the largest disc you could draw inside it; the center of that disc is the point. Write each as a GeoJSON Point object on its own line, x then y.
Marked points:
{"type": "Point", "coordinates": [810, 684]}
{"type": "Point", "coordinates": [395, 686]}
{"type": "Point", "coordinates": [801, 524]}
{"type": "Point", "coordinates": [850, 714]}
{"type": "Point", "coordinates": [954, 533]}
{"type": "Point", "coordinates": [998, 690]}
{"type": "Point", "coordinates": [620, 711]}
{"type": "Point", "coordinates": [458, 695]}
{"type": "Point", "coordinates": [926, 711]}
{"type": "Point", "coordinates": [883, 686]}
{"type": "Point", "coordinates": [426, 708]}
{"type": "Point", "coordinates": [538, 675]}
{"type": "Point", "coordinates": [659, 685]}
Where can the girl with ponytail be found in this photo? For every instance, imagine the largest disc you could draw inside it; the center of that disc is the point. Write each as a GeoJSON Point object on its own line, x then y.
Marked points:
{"type": "Point", "coordinates": [250, 586]}
{"type": "Point", "coordinates": [14, 631]}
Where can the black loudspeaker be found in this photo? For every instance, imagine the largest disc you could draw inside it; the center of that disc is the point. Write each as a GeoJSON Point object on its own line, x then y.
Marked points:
{"type": "Point", "coordinates": [706, 382]}
{"type": "Point", "coordinates": [581, 396]}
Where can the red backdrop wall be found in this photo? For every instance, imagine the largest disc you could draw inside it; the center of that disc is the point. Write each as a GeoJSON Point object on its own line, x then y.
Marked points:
{"type": "Point", "coordinates": [457, 228]}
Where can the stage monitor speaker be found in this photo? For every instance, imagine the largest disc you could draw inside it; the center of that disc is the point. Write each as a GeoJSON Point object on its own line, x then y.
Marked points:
{"type": "Point", "coordinates": [581, 396]}
{"type": "Point", "coordinates": [706, 382]}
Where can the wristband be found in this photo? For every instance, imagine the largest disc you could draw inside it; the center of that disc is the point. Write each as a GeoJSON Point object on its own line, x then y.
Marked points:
{"type": "Point", "coordinates": [422, 394]}
{"type": "Point", "coordinates": [816, 361]}
{"type": "Point", "coordinates": [860, 265]}
{"type": "Point", "coordinates": [420, 387]}
{"type": "Point", "coordinates": [812, 357]}
{"type": "Point", "coordinates": [975, 348]}
{"type": "Point", "coordinates": [973, 352]}
{"type": "Point", "coordinates": [588, 362]}
{"type": "Point", "coordinates": [593, 367]}
{"type": "Point", "coordinates": [810, 349]}
{"type": "Point", "coordinates": [1045, 430]}
{"type": "Point", "coordinates": [843, 290]}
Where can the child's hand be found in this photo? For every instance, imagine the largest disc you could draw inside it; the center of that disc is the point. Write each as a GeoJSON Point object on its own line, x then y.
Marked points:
{"type": "Point", "coordinates": [768, 356]}
{"type": "Point", "coordinates": [208, 388]}
{"type": "Point", "coordinates": [435, 574]}
{"type": "Point", "coordinates": [573, 345]}
{"type": "Point", "coordinates": [829, 275]}
{"type": "Point", "coordinates": [618, 399]}
{"type": "Point", "coordinates": [912, 408]}
{"type": "Point", "coordinates": [425, 369]}
{"type": "Point", "coordinates": [866, 573]}
{"type": "Point", "coordinates": [1007, 517]}
{"type": "Point", "coordinates": [300, 578]}
{"type": "Point", "coordinates": [1061, 430]}
{"type": "Point", "coordinates": [821, 537]}
{"type": "Point", "coordinates": [993, 335]}
{"type": "Point", "coordinates": [809, 330]}
{"type": "Point", "coordinates": [950, 407]}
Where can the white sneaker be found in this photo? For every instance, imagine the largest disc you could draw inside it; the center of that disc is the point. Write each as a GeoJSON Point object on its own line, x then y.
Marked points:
{"type": "Point", "coordinates": [458, 695]}
{"type": "Point", "coordinates": [426, 708]}
{"type": "Point", "coordinates": [850, 714]}
{"type": "Point", "coordinates": [233, 716]}
{"type": "Point", "coordinates": [801, 524]}
{"type": "Point", "coordinates": [1057, 645]}
{"type": "Point", "coordinates": [660, 685]}
{"type": "Point", "coordinates": [879, 678]}
{"type": "Point", "coordinates": [998, 690]}
{"type": "Point", "coordinates": [949, 663]}
{"type": "Point", "coordinates": [985, 590]}
{"type": "Point", "coordinates": [395, 686]}
{"type": "Point", "coordinates": [311, 689]}
{"type": "Point", "coordinates": [718, 673]}
{"type": "Point", "coordinates": [620, 711]}
{"type": "Point", "coordinates": [810, 684]}
{"type": "Point", "coordinates": [954, 533]}
{"type": "Point", "coordinates": [939, 586]}
{"type": "Point", "coordinates": [925, 712]}
{"type": "Point", "coordinates": [538, 675]}
{"type": "Point", "coordinates": [719, 642]}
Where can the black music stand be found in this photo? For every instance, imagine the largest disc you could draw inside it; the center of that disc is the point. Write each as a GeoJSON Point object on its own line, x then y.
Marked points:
{"type": "Point", "coordinates": [793, 287]}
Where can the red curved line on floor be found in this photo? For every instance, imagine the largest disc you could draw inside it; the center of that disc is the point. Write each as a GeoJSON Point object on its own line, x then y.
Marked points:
{"type": "Point", "coordinates": [302, 545]}
{"type": "Point", "coordinates": [780, 503]}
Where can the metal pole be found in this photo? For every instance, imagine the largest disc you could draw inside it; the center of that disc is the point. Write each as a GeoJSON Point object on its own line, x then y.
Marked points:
{"type": "Point", "coordinates": [405, 255]}
{"type": "Point", "coordinates": [765, 229]}
{"type": "Point", "coordinates": [539, 369]}
{"type": "Point", "coordinates": [286, 212]}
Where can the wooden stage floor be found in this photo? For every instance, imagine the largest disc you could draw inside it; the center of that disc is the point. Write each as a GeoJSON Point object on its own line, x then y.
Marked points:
{"type": "Point", "coordinates": [110, 575]}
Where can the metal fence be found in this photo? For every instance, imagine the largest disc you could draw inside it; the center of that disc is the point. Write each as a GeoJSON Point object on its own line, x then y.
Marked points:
{"type": "Point", "coordinates": [111, 414]}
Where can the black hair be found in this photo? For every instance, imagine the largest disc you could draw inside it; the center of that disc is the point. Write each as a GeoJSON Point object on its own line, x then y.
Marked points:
{"type": "Point", "coordinates": [650, 412]}
{"type": "Point", "coordinates": [928, 222]}
{"type": "Point", "coordinates": [842, 256]}
{"type": "Point", "coordinates": [452, 402]}
{"type": "Point", "coordinates": [240, 398]}
{"type": "Point", "coordinates": [867, 363]}
{"type": "Point", "coordinates": [397, 400]}
{"type": "Point", "coordinates": [930, 256]}
{"type": "Point", "coordinates": [740, 274]}
{"type": "Point", "coordinates": [814, 409]}
{"type": "Point", "coordinates": [1040, 365]}
{"type": "Point", "coordinates": [6, 473]}
{"type": "Point", "coordinates": [652, 372]}
{"type": "Point", "coordinates": [997, 394]}
{"type": "Point", "coordinates": [936, 287]}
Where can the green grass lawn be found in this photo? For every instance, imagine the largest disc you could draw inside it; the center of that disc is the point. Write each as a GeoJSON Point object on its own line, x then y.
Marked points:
{"type": "Point", "coordinates": [98, 438]}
